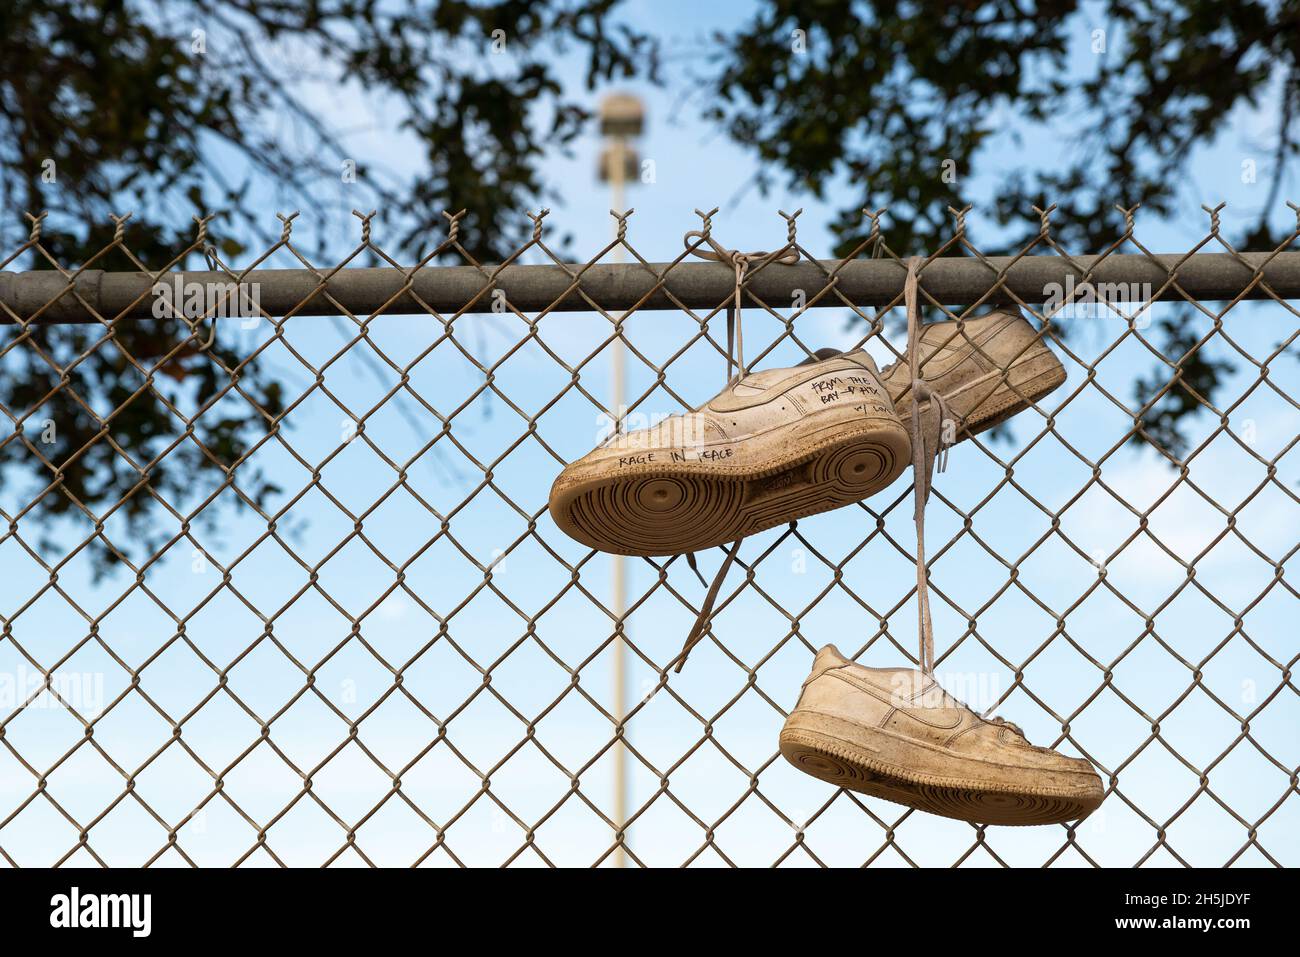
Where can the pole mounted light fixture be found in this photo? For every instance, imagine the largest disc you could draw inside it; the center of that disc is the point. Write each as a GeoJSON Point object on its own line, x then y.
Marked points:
{"type": "Point", "coordinates": [622, 117]}
{"type": "Point", "coordinates": [621, 114]}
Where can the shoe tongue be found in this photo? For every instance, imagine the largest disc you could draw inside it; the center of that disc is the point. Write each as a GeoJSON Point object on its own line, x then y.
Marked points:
{"type": "Point", "coordinates": [757, 382]}
{"type": "Point", "coordinates": [829, 656]}
{"type": "Point", "coordinates": [821, 355]}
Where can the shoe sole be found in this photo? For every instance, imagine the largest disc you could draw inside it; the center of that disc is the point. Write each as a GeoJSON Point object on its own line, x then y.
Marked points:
{"type": "Point", "coordinates": [674, 508]}
{"type": "Point", "coordinates": [885, 765]}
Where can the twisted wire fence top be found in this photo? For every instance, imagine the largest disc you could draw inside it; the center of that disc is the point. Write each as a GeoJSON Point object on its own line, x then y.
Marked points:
{"type": "Point", "coordinates": [322, 615]}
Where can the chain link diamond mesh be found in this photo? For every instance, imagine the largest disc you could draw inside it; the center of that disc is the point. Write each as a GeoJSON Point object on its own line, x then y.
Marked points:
{"type": "Point", "coordinates": [392, 656]}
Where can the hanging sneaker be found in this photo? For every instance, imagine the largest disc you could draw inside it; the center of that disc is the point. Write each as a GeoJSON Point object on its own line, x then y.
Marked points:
{"type": "Point", "coordinates": [772, 447]}
{"type": "Point", "coordinates": [987, 369]}
{"type": "Point", "coordinates": [894, 733]}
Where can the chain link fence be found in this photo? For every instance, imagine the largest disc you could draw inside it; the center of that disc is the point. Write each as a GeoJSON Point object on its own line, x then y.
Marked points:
{"type": "Point", "coordinates": [281, 586]}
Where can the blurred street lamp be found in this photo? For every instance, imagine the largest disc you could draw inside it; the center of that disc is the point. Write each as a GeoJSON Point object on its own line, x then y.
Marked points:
{"type": "Point", "coordinates": [622, 118]}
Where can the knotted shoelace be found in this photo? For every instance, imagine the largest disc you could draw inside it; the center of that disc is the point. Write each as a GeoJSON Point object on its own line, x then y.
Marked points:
{"type": "Point", "coordinates": [736, 370]}
{"type": "Point", "coordinates": [740, 262]}
{"type": "Point", "coordinates": [924, 461]}
{"type": "Point", "coordinates": [924, 464]}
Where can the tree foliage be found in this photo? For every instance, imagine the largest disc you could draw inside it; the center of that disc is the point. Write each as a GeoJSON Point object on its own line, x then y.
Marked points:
{"type": "Point", "coordinates": [183, 108]}
{"type": "Point", "coordinates": [179, 109]}
{"type": "Point", "coordinates": [862, 104]}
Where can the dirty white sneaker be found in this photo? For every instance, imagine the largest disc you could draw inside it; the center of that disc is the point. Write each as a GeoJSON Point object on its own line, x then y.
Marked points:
{"type": "Point", "coordinates": [894, 733]}
{"type": "Point", "coordinates": [987, 369]}
{"type": "Point", "coordinates": [771, 447]}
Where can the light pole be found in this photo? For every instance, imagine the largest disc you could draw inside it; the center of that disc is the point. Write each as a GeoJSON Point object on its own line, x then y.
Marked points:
{"type": "Point", "coordinates": [622, 117]}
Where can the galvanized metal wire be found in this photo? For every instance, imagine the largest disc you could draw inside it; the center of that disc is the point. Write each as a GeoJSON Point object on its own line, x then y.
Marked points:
{"type": "Point", "coordinates": [77, 822]}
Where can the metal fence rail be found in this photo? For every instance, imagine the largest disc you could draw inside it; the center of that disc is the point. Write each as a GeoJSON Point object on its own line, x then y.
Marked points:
{"type": "Point", "coordinates": [48, 296]}
{"type": "Point", "coordinates": [374, 647]}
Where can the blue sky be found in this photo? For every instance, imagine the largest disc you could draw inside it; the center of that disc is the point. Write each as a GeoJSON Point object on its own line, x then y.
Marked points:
{"type": "Point", "coordinates": [1065, 641]}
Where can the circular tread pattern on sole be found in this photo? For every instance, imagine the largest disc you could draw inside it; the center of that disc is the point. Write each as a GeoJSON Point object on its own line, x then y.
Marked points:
{"type": "Point", "coordinates": [973, 804]}
{"type": "Point", "coordinates": [660, 515]}
{"type": "Point", "coordinates": [686, 509]}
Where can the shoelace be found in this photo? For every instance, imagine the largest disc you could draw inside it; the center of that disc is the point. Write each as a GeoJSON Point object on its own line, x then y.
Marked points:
{"type": "Point", "coordinates": [924, 462]}
{"type": "Point", "coordinates": [922, 465]}
{"type": "Point", "coordinates": [740, 262]}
